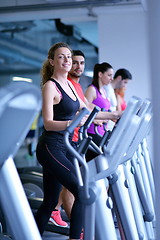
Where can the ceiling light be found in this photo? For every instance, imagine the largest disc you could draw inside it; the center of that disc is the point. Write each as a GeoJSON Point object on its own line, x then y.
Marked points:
{"type": "Point", "coordinates": [22, 79]}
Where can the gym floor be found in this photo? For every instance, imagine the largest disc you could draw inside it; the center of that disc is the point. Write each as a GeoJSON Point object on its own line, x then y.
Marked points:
{"type": "Point", "coordinates": [53, 236]}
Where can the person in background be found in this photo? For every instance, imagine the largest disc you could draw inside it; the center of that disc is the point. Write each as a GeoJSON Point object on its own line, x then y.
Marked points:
{"type": "Point", "coordinates": [121, 103]}
{"type": "Point", "coordinates": [120, 80]}
{"type": "Point", "coordinates": [78, 65]}
{"type": "Point", "coordinates": [95, 94]}
{"type": "Point", "coordinates": [60, 104]}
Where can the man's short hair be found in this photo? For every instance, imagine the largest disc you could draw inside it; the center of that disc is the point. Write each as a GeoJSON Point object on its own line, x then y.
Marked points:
{"type": "Point", "coordinates": [124, 73]}
{"type": "Point", "coordinates": [78, 53]}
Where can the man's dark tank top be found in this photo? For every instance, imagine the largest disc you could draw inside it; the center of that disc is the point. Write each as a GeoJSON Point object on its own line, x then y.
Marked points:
{"type": "Point", "coordinates": [65, 109]}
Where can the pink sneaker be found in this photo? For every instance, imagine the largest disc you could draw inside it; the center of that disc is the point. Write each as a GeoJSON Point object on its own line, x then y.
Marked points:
{"type": "Point", "coordinates": [82, 235]}
{"type": "Point", "coordinates": [57, 220]}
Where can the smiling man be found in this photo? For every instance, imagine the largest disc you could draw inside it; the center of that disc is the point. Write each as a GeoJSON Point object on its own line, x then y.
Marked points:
{"type": "Point", "coordinates": [78, 65]}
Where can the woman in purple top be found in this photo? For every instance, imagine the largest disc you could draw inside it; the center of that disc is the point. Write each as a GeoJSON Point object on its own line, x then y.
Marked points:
{"type": "Point", "coordinates": [95, 93]}
{"type": "Point", "coordinates": [101, 102]}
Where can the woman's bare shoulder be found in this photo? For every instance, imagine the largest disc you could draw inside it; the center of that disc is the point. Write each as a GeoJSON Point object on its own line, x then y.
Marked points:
{"type": "Point", "coordinates": [49, 85]}
{"type": "Point", "coordinates": [90, 89]}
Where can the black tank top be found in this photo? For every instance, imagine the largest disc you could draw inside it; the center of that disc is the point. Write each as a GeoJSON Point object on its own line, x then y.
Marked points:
{"type": "Point", "coordinates": [66, 108]}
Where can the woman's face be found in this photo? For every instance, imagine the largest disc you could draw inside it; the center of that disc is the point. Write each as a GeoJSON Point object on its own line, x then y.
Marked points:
{"type": "Point", "coordinates": [106, 77]}
{"type": "Point", "coordinates": [62, 60]}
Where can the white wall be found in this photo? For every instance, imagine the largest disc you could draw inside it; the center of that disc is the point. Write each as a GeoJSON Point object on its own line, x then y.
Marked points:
{"type": "Point", "coordinates": [123, 42]}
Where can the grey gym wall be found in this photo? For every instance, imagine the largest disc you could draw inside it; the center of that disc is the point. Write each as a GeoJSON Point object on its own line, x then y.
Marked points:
{"type": "Point", "coordinates": [123, 42]}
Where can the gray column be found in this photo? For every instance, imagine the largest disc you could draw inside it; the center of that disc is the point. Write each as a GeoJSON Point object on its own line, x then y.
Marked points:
{"type": "Point", "coordinates": [154, 37]}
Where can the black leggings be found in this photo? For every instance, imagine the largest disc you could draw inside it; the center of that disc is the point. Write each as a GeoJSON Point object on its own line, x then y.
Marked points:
{"type": "Point", "coordinates": [58, 170]}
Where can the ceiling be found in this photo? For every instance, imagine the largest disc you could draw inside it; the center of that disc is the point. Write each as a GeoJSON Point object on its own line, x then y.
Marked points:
{"type": "Point", "coordinates": [29, 28]}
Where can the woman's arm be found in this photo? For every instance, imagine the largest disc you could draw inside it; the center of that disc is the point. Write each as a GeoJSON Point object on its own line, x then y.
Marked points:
{"type": "Point", "coordinates": [109, 115]}
{"type": "Point", "coordinates": [90, 94]}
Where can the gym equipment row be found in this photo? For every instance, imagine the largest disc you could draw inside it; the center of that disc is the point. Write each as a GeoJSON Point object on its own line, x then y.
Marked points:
{"type": "Point", "coordinates": [117, 182]}
{"type": "Point", "coordinates": [135, 212]}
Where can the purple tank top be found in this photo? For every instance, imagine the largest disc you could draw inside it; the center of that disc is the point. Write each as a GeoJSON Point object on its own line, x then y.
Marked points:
{"type": "Point", "coordinates": [102, 103]}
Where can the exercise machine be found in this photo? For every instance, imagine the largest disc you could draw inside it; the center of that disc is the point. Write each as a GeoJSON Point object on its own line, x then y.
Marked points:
{"type": "Point", "coordinates": [109, 165]}
{"type": "Point", "coordinates": [19, 104]}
